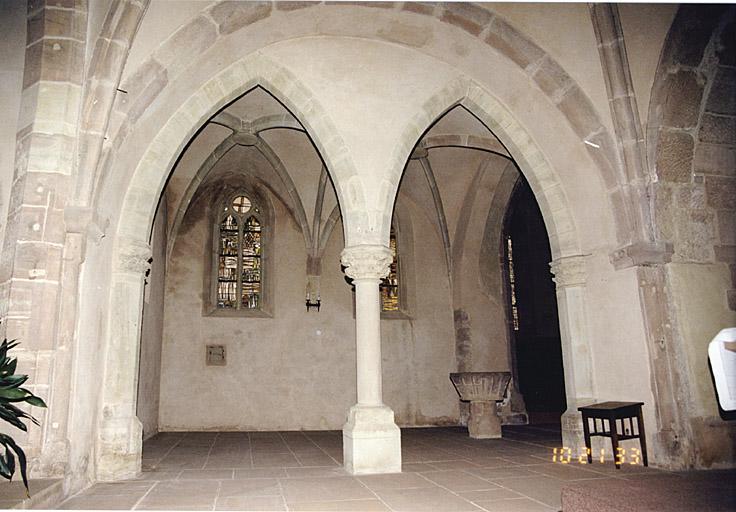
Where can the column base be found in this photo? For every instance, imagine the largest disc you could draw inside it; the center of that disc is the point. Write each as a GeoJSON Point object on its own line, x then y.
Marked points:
{"type": "Point", "coordinates": [572, 428]}
{"type": "Point", "coordinates": [371, 441]}
{"type": "Point", "coordinates": [119, 449]}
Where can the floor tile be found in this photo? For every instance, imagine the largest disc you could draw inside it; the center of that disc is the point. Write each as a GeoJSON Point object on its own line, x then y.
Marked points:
{"type": "Point", "coordinates": [395, 481]}
{"type": "Point", "coordinates": [324, 489]}
{"type": "Point", "coordinates": [457, 480]}
{"type": "Point", "coordinates": [490, 495]}
{"type": "Point", "coordinates": [250, 487]}
{"type": "Point", "coordinates": [431, 499]}
{"type": "Point", "coordinates": [340, 506]}
{"type": "Point", "coordinates": [259, 503]}
{"type": "Point", "coordinates": [544, 489]}
{"type": "Point", "coordinates": [515, 505]}
{"type": "Point", "coordinates": [206, 474]}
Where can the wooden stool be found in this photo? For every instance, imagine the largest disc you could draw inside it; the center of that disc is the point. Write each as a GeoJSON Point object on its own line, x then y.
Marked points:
{"type": "Point", "coordinates": [613, 411]}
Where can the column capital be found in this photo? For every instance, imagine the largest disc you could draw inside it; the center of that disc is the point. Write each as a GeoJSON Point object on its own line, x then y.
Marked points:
{"type": "Point", "coordinates": [133, 257]}
{"type": "Point", "coordinates": [569, 271]}
{"type": "Point", "coordinates": [366, 261]}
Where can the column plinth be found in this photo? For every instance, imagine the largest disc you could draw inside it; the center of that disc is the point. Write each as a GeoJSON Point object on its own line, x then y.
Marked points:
{"type": "Point", "coordinates": [371, 439]}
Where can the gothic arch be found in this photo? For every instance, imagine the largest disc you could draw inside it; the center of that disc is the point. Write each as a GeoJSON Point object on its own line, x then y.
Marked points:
{"type": "Point", "coordinates": [119, 444]}
{"type": "Point", "coordinates": [545, 182]}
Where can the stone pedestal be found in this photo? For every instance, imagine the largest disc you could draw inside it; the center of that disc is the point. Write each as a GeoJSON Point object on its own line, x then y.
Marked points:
{"type": "Point", "coordinates": [371, 441]}
{"type": "Point", "coordinates": [484, 422]}
{"type": "Point", "coordinates": [482, 390]}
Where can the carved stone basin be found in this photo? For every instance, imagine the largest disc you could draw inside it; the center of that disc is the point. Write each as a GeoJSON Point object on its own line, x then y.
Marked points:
{"type": "Point", "coordinates": [482, 390]}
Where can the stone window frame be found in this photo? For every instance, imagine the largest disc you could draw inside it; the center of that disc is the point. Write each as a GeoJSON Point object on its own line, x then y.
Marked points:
{"type": "Point", "coordinates": [260, 209]}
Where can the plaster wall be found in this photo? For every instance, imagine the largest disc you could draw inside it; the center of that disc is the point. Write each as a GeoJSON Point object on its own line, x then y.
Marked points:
{"type": "Point", "coordinates": [296, 370]}
{"type": "Point", "coordinates": [645, 27]}
{"type": "Point", "coordinates": [12, 49]}
{"type": "Point", "coordinates": [616, 338]}
{"type": "Point", "coordinates": [149, 369]}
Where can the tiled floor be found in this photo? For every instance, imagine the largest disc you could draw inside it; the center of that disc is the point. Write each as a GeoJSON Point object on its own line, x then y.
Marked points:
{"type": "Point", "coordinates": [444, 470]}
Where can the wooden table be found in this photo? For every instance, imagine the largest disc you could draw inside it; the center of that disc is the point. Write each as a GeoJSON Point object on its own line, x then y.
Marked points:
{"type": "Point", "coordinates": [613, 412]}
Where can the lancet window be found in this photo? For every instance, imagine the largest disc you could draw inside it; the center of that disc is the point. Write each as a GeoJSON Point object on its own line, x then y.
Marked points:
{"type": "Point", "coordinates": [390, 286]}
{"type": "Point", "coordinates": [239, 256]}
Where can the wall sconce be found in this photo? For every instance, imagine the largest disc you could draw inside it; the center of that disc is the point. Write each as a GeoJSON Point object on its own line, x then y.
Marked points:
{"type": "Point", "coordinates": [315, 304]}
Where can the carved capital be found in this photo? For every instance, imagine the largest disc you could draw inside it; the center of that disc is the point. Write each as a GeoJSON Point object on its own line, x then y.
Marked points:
{"type": "Point", "coordinates": [366, 261]}
{"type": "Point", "coordinates": [569, 271]}
{"type": "Point", "coordinates": [640, 254]}
{"type": "Point", "coordinates": [134, 257]}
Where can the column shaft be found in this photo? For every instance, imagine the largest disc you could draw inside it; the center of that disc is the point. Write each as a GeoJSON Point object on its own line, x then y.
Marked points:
{"type": "Point", "coordinates": [368, 342]}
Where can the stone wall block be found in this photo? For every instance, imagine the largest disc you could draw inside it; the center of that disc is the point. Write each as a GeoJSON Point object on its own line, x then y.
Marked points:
{"type": "Point", "coordinates": [138, 104]}
{"type": "Point", "coordinates": [51, 153]}
{"type": "Point", "coordinates": [379, 5]}
{"type": "Point", "coordinates": [579, 111]}
{"type": "Point", "coordinates": [21, 299]}
{"type": "Point", "coordinates": [54, 230]}
{"type": "Point", "coordinates": [664, 212]}
{"type": "Point", "coordinates": [675, 156]}
{"type": "Point", "coordinates": [35, 257]}
{"type": "Point", "coordinates": [61, 60]}
{"type": "Point", "coordinates": [425, 8]}
{"type": "Point", "coordinates": [551, 78]}
{"type": "Point", "coordinates": [57, 108]}
{"type": "Point", "coordinates": [127, 23]}
{"type": "Point", "coordinates": [469, 17]}
{"type": "Point", "coordinates": [726, 51]}
{"type": "Point", "coordinates": [232, 16]}
{"type": "Point", "coordinates": [512, 44]}
{"type": "Point", "coordinates": [720, 192]}
{"type": "Point", "coordinates": [292, 6]}
{"type": "Point", "coordinates": [725, 253]}
{"type": "Point", "coordinates": [684, 92]}
{"type": "Point", "coordinates": [715, 159]}
{"type": "Point", "coordinates": [722, 96]}
{"type": "Point", "coordinates": [731, 299]}
{"type": "Point", "coordinates": [112, 56]}
{"type": "Point", "coordinates": [718, 129]}
{"type": "Point", "coordinates": [693, 34]}
{"type": "Point", "coordinates": [18, 328]}
{"type": "Point", "coordinates": [30, 223]}
{"type": "Point", "coordinates": [186, 44]}
{"type": "Point", "coordinates": [43, 316]}
{"type": "Point", "coordinates": [32, 68]}
{"type": "Point", "coordinates": [726, 227]}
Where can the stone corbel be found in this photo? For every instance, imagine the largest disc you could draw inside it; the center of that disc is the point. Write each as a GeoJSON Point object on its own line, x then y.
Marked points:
{"type": "Point", "coordinates": [366, 261]}
{"type": "Point", "coordinates": [569, 271]}
{"type": "Point", "coordinates": [645, 254]}
{"type": "Point", "coordinates": [84, 220]}
{"type": "Point", "coordinates": [134, 257]}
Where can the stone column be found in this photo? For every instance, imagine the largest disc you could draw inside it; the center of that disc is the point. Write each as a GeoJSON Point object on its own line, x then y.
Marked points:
{"type": "Point", "coordinates": [371, 439]}
{"type": "Point", "coordinates": [120, 434]}
{"type": "Point", "coordinates": [569, 276]}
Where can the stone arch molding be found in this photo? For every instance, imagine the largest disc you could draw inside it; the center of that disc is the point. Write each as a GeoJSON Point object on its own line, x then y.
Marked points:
{"type": "Point", "coordinates": [546, 184]}
{"type": "Point", "coordinates": [255, 70]}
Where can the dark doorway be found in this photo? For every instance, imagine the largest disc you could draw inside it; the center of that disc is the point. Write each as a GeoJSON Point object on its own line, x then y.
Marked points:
{"type": "Point", "coordinates": [533, 320]}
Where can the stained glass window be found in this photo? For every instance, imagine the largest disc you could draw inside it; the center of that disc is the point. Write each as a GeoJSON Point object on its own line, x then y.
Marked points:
{"type": "Point", "coordinates": [239, 271]}
{"type": "Point", "coordinates": [390, 284]}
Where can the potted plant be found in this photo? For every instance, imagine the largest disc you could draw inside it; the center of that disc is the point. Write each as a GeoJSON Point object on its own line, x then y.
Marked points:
{"type": "Point", "coordinates": [12, 395]}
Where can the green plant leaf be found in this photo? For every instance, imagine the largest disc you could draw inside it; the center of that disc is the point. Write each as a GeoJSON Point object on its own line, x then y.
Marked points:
{"type": "Point", "coordinates": [35, 401]}
{"type": "Point", "coordinates": [13, 394]}
{"type": "Point", "coordinates": [13, 418]}
{"type": "Point", "coordinates": [8, 442]}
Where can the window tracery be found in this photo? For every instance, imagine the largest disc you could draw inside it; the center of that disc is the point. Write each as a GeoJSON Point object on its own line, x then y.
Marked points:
{"type": "Point", "coordinates": [239, 256]}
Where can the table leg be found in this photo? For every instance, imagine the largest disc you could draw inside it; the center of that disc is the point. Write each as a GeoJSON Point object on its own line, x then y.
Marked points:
{"type": "Point", "coordinates": [614, 439]}
{"type": "Point", "coordinates": [586, 436]}
{"type": "Point", "coordinates": [642, 435]}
